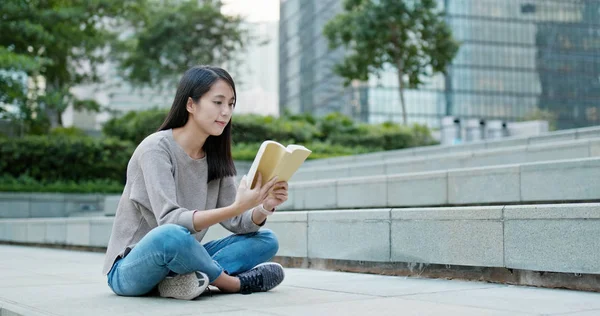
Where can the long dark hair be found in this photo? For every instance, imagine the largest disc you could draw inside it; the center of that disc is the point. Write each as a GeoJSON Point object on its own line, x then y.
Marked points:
{"type": "Point", "coordinates": [196, 82]}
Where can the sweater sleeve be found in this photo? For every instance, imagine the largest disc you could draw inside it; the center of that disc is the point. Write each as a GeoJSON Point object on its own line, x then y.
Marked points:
{"type": "Point", "coordinates": [154, 189]}
{"type": "Point", "coordinates": [241, 224]}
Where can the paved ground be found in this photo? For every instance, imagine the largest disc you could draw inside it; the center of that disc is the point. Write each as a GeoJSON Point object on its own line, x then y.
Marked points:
{"type": "Point", "coordinates": [38, 281]}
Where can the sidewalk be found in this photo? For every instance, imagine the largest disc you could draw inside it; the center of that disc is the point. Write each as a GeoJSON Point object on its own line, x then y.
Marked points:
{"type": "Point", "coordinates": [39, 281]}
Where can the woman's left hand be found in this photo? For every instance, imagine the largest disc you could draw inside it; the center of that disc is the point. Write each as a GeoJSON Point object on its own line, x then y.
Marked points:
{"type": "Point", "coordinates": [277, 196]}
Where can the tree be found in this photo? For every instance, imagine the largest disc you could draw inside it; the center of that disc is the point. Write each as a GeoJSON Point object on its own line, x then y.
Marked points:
{"type": "Point", "coordinates": [49, 46]}
{"type": "Point", "coordinates": [172, 36]}
{"type": "Point", "coordinates": [13, 87]}
{"type": "Point", "coordinates": [409, 35]}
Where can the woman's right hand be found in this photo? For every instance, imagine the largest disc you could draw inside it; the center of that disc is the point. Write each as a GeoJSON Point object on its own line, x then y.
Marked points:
{"type": "Point", "coordinates": [247, 198]}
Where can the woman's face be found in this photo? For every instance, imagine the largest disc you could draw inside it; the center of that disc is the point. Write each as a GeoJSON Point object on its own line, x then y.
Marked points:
{"type": "Point", "coordinates": [213, 110]}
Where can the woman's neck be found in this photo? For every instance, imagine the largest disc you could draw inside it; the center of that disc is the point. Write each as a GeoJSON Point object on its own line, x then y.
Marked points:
{"type": "Point", "coordinates": [191, 140]}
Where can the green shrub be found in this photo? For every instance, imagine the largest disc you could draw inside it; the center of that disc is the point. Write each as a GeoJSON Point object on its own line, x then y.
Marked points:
{"type": "Point", "coordinates": [52, 158]}
{"type": "Point", "coordinates": [254, 128]}
{"type": "Point", "coordinates": [67, 131]}
{"type": "Point", "coordinates": [375, 136]}
{"type": "Point", "coordinates": [247, 151]}
{"type": "Point", "coordinates": [69, 161]}
{"type": "Point", "coordinates": [422, 136]}
{"type": "Point", "coordinates": [322, 150]}
{"type": "Point", "coordinates": [247, 128]}
{"type": "Point", "coordinates": [135, 125]}
{"type": "Point", "coordinates": [28, 184]}
{"type": "Point", "coordinates": [250, 130]}
{"type": "Point", "coordinates": [336, 124]}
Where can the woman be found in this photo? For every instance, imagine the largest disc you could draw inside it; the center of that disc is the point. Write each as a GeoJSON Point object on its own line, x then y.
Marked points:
{"type": "Point", "coordinates": [180, 181]}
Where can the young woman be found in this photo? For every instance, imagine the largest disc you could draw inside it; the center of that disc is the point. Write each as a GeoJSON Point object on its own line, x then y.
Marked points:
{"type": "Point", "coordinates": [180, 181]}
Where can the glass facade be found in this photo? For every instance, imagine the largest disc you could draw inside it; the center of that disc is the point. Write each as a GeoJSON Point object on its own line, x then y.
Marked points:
{"type": "Point", "coordinates": [306, 80]}
{"type": "Point", "coordinates": [515, 56]}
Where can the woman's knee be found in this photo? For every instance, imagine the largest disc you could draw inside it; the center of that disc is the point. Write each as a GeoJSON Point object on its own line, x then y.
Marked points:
{"type": "Point", "coordinates": [267, 236]}
{"type": "Point", "coordinates": [172, 236]}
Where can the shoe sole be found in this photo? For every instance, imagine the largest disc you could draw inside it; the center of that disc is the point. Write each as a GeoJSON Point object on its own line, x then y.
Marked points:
{"type": "Point", "coordinates": [184, 287]}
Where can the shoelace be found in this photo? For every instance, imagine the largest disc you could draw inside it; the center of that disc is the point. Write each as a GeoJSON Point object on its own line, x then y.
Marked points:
{"type": "Point", "coordinates": [250, 281]}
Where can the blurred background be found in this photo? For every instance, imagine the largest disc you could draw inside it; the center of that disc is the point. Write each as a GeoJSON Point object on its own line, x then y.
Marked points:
{"type": "Point", "coordinates": [517, 59]}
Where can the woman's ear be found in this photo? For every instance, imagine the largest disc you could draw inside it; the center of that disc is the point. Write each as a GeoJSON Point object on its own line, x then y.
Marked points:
{"type": "Point", "coordinates": [190, 105]}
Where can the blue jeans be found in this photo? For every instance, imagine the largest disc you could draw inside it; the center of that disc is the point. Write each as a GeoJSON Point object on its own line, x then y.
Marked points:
{"type": "Point", "coordinates": [171, 249]}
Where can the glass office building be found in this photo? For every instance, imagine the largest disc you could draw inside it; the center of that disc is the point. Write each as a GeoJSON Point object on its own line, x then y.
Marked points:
{"type": "Point", "coordinates": [515, 56]}
{"type": "Point", "coordinates": [306, 81]}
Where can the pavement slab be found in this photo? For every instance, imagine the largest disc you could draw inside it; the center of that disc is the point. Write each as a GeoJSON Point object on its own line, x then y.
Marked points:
{"type": "Point", "coordinates": [42, 281]}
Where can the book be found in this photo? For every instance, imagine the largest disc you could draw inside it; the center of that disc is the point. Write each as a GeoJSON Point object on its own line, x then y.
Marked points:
{"type": "Point", "coordinates": [273, 159]}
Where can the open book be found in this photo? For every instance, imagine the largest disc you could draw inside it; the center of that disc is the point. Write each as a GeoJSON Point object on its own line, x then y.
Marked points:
{"type": "Point", "coordinates": [273, 160]}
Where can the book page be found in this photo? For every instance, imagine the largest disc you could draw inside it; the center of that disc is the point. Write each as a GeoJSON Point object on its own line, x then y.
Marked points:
{"type": "Point", "coordinates": [291, 162]}
{"type": "Point", "coordinates": [266, 162]}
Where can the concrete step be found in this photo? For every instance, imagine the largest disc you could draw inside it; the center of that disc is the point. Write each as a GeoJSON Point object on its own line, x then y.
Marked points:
{"type": "Point", "coordinates": [563, 135]}
{"type": "Point", "coordinates": [468, 159]}
{"type": "Point", "coordinates": [561, 181]}
{"type": "Point", "coordinates": [554, 237]}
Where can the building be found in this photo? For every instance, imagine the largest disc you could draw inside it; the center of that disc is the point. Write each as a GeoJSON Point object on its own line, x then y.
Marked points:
{"type": "Point", "coordinates": [306, 82]}
{"type": "Point", "coordinates": [516, 56]}
{"type": "Point", "coordinates": [256, 75]}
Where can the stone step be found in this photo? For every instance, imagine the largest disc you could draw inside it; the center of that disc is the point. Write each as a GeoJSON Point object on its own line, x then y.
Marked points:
{"type": "Point", "coordinates": [557, 136]}
{"type": "Point", "coordinates": [552, 237]}
{"type": "Point", "coordinates": [557, 181]}
{"type": "Point", "coordinates": [469, 159]}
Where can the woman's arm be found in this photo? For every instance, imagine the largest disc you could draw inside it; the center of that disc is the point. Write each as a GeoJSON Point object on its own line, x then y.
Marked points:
{"type": "Point", "coordinates": [205, 219]}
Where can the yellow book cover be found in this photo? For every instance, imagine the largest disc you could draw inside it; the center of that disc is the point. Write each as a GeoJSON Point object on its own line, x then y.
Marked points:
{"type": "Point", "coordinates": [273, 159]}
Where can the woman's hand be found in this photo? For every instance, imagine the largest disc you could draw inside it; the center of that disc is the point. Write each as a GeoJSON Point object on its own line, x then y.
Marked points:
{"type": "Point", "coordinates": [247, 198]}
{"type": "Point", "coordinates": [277, 196]}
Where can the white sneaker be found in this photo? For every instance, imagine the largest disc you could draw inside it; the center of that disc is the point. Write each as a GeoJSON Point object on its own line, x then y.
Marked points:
{"type": "Point", "coordinates": [184, 286]}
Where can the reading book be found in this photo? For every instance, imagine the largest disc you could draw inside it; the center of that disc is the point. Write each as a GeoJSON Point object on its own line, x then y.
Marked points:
{"type": "Point", "coordinates": [273, 160]}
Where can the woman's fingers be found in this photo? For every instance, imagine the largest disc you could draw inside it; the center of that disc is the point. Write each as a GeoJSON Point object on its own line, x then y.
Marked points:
{"type": "Point", "coordinates": [258, 183]}
{"type": "Point", "coordinates": [268, 186]}
{"type": "Point", "coordinates": [281, 185]}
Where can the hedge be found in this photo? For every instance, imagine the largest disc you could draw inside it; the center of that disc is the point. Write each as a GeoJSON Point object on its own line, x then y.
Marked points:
{"type": "Point", "coordinates": [28, 184]}
{"type": "Point", "coordinates": [68, 161]}
{"type": "Point", "coordinates": [333, 129]}
{"type": "Point", "coordinates": [53, 158]}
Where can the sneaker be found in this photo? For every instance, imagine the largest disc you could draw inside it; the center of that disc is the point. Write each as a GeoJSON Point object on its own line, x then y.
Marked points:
{"type": "Point", "coordinates": [184, 286]}
{"type": "Point", "coordinates": [261, 278]}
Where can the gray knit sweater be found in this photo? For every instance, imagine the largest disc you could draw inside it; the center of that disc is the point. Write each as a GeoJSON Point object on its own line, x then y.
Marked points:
{"type": "Point", "coordinates": [165, 185]}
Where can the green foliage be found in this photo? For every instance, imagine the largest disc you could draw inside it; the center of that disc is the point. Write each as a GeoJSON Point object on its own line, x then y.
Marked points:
{"type": "Point", "coordinates": [69, 161]}
{"type": "Point", "coordinates": [51, 41]}
{"type": "Point", "coordinates": [255, 128]}
{"type": "Point", "coordinates": [171, 36]}
{"type": "Point", "coordinates": [62, 43]}
{"type": "Point", "coordinates": [387, 136]}
{"type": "Point", "coordinates": [49, 159]}
{"type": "Point", "coordinates": [542, 115]}
{"type": "Point", "coordinates": [12, 80]}
{"type": "Point", "coordinates": [422, 135]}
{"type": "Point", "coordinates": [28, 184]}
{"type": "Point", "coordinates": [247, 152]}
{"type": "Point", "coordinates": [408, 35]}
{"type": "Point", "coordinates": [336, 123]}
{"type": "Point", "coordinates": [333, 135]}
{"type": "Point", "coordinates": [68, 132]}
{"type": "Point", "coordinates": [322, 150]}
{"type": "Point", "coordinates": [134, 126]}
